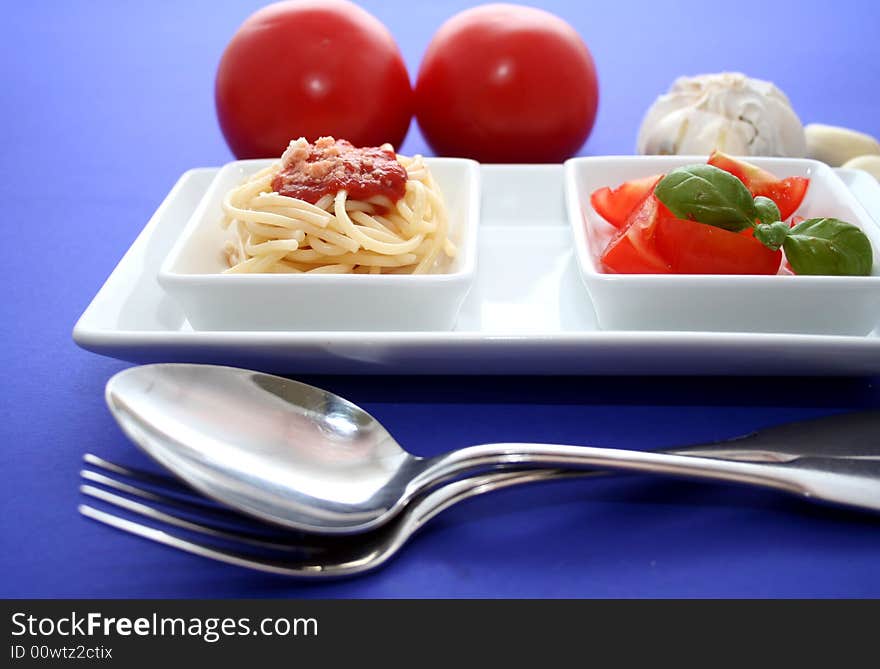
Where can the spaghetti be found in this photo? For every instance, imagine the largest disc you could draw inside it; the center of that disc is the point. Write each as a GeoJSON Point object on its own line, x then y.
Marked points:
{"type": "Point", "coordinates": [296, 216]}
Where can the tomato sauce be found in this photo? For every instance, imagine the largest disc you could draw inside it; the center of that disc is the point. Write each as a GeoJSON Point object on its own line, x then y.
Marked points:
{"type": "Point", "coordinates": [310, 171]}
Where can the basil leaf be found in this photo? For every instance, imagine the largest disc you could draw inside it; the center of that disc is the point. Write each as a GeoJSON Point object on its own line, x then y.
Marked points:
{"type": "Point", "coordinates": [828, 246]}
{"type": "Point", "coordinates": [708, 195]}
{"type": "Point", "coordinates": [772, 235]}
{"type": "Point", "coordinates": [768, 212]}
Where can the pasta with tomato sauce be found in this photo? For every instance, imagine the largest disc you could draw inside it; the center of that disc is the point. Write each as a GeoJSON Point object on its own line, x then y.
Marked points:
{"type": "Point", "coordinates": [331, 208]}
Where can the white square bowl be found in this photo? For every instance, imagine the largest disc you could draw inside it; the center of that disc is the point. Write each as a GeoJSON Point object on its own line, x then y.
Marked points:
{"type": "Point", "coordinates": [214, 301]}
{"type": "Point", "coordinates": [728, 303]}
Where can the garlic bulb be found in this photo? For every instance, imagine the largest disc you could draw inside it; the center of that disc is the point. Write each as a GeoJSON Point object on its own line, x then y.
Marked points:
{"type": "Point", "coordinates": [727, 111]}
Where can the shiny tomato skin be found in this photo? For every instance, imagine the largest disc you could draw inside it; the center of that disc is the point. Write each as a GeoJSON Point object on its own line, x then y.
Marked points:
{"type": "Point", "coordinates": [696, 248]}
{"type": "Point", "coordinates": [656, 242]}
{"type": "Point", "coordinates": [507, 83]}
{"type": "Point", "coordinates": [309, 68]}
{"type": "Point", "coordinates": [615, 205]}
{"type": "Point", "coordinates": [787, 193]}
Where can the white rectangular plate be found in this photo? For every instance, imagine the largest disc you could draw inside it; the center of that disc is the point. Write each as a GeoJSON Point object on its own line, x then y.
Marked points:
{"type": "Point", "coordinates": [528, 311]}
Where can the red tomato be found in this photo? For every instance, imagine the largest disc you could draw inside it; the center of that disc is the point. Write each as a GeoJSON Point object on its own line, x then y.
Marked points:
{"type": "Point", "coordinates": [786, 193]}
{"type": "Point", "coordinates": [506, 83]}
{"type": "Point", "coordinates": [307, 68]}
{"type": "Point", "coordinates": [615, 205]}
{"type": "Point", "coordinates": [655, 242]}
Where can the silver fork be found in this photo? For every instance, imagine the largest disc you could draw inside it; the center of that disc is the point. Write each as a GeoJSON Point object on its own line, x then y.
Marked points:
{"type": "Point", "coordinates": [229, 537]}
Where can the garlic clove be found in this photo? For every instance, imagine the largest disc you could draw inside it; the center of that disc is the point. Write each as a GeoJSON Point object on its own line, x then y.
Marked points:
{"type": "Point", "coordinates": [870, 163]}
{"type": "Point", "coordinates": [835, 145]}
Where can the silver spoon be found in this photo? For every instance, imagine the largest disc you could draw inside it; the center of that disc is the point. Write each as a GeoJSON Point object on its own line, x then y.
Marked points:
{"type": "Point", "coordinates": [304, 458]}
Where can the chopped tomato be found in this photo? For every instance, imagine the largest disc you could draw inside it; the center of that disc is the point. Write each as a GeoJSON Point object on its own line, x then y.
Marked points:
{"type": "Point", "coordinates": [616, 205]}
{"type": "Point", "coordinates": [696, 248]}
{"type": "Point", "coordinates": [786, 193]}
{"type": "Point", "coordinates": [632, 250]}
{"type": "Point", "coordinates": [656, 242]}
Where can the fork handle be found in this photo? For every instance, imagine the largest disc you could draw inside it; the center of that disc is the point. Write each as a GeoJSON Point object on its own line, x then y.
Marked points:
{"type": "Point", "coordinates": [842, 482]}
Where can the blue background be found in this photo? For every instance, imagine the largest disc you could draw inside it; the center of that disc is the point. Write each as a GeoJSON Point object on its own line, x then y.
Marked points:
{"type": "Point", "coordinates": [104, 104]}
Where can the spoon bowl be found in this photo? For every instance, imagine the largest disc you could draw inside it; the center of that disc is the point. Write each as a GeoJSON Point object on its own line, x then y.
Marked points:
{"type": "Point", "coordinates": [280, 450]}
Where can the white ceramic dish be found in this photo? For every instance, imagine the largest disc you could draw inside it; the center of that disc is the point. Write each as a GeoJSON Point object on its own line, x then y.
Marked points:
{"type": "Point", "coordinates": [527, 312]}
{"type": "Point", "coordinates": [192, 273]}
{"type": "Point", "coordinates": [804, 304]}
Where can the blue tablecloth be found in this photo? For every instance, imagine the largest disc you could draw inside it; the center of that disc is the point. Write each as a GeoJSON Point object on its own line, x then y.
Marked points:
{"type": "Point", "coordinates": [105, 104]}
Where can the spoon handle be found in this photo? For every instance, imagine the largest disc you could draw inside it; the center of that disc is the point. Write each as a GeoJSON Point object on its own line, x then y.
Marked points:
{"type": "Point", "coordinates": [428, 506]}
{"type": "Point", "coordinates": [847, 481]}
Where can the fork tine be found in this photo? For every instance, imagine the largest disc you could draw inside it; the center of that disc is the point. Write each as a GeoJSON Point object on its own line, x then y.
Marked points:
{"type": "Point", "coordinates": [199, 548]}
{"type": "Point", "coordinates": [170, 497]}
{"type": "Point", "coordinates": [130, 472]}
{"type": "Point", "coordinates": [190, 509]}
{"type": "Point", "coordinates": [167, 484]}
{"type": "Point", "coordinates": [190, 505]}
{"type": "Point", "coordinates": [183, 523]}
{"type": "Point", "coordinates": [168, 492]}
